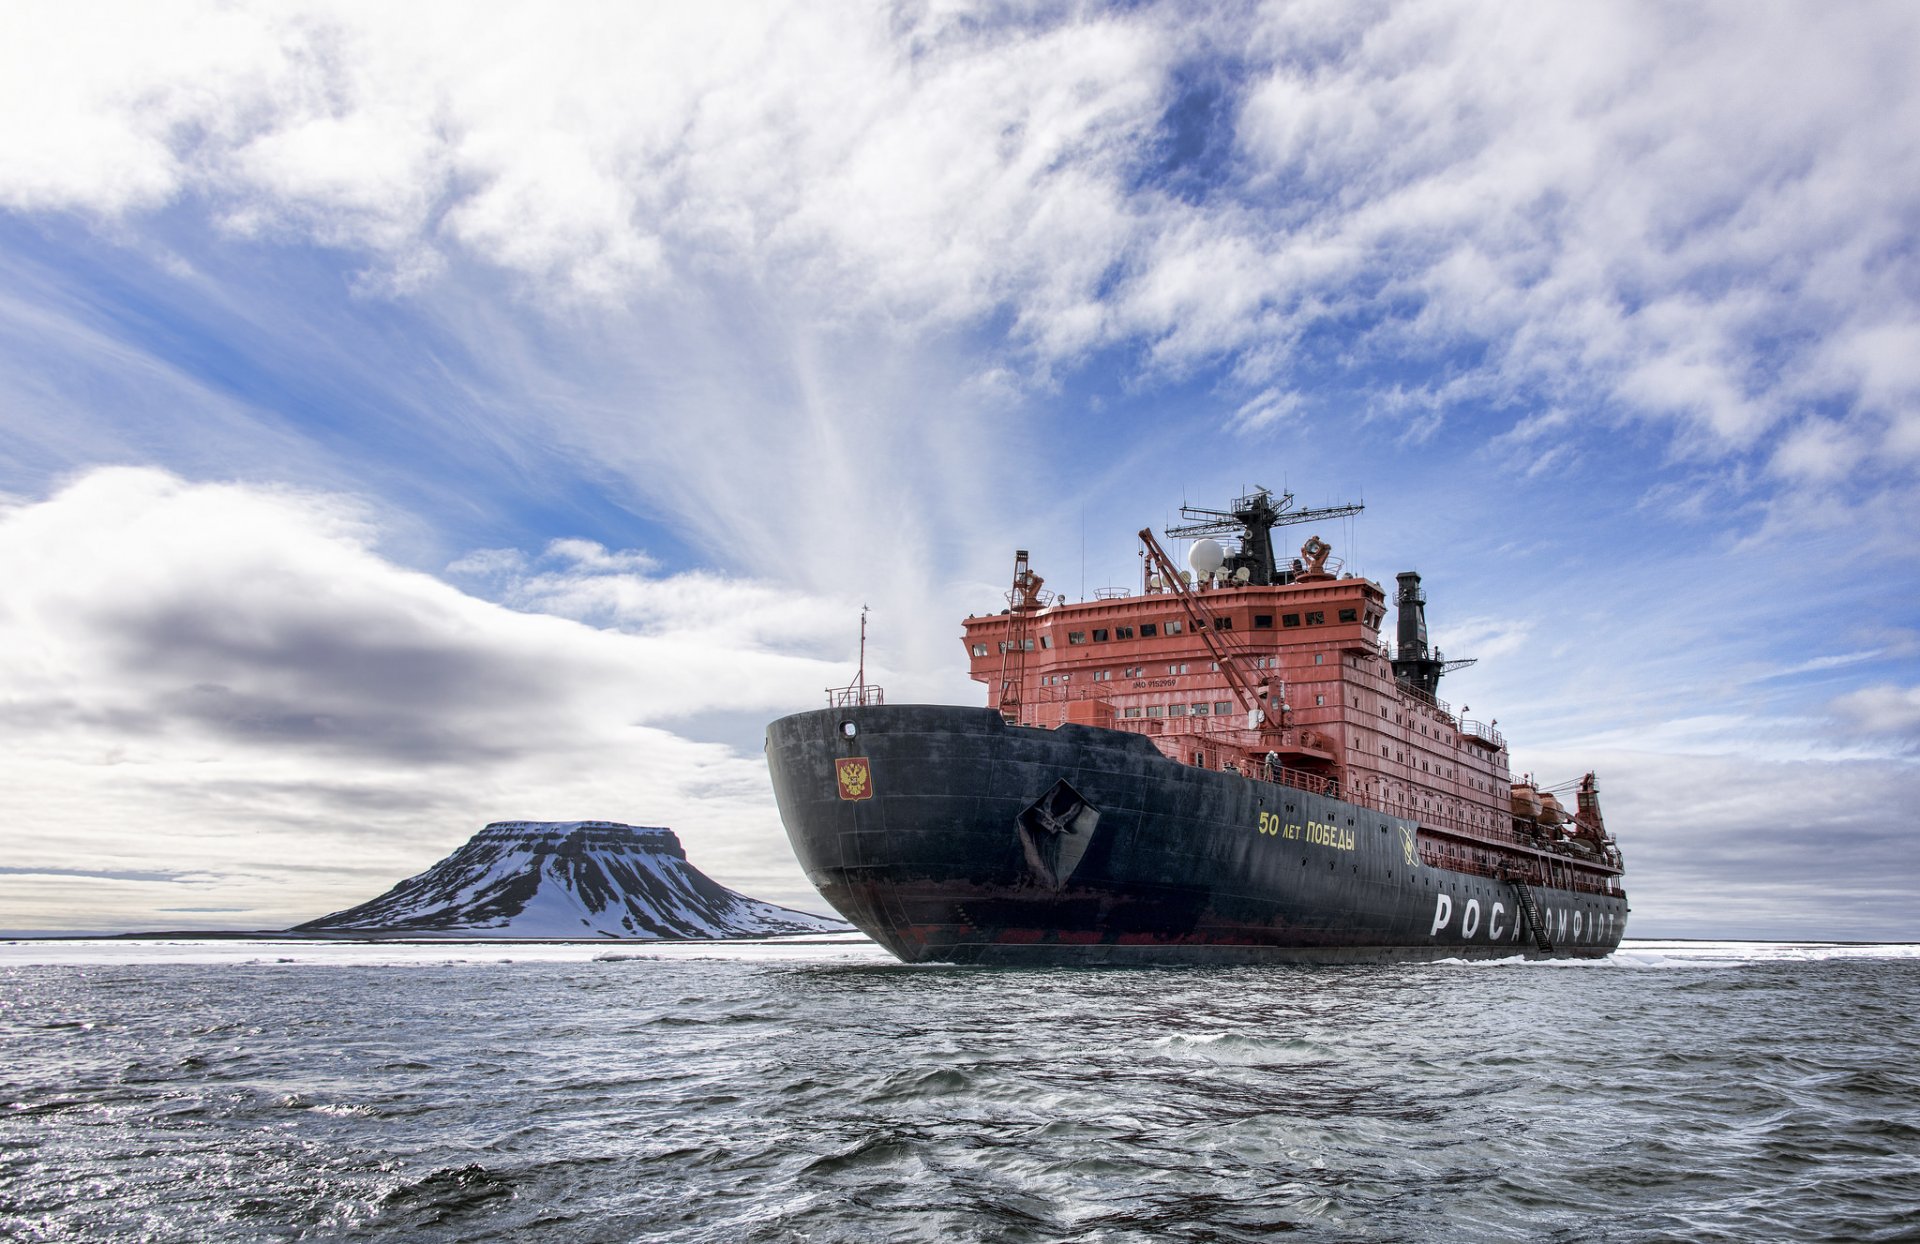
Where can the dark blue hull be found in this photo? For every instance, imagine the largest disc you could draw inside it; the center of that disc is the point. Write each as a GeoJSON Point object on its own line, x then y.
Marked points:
{"type": "Point", "coordinates": [973, 841]}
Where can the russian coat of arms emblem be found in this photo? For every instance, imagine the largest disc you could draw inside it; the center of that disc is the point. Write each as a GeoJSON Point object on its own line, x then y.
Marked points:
{"type": "Point", "coordinates": [856, 780]}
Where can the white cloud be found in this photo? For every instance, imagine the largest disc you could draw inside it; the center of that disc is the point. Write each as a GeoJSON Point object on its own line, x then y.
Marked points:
{"type": "Point", "coordinates": [230, 679]}
{"type": "Point", "coordinates": [1628, 187]}
{"type": "Point", "coordinates": [1700, 216]}
{"type": "Point", "coordinates": [1268, 407]}
{"type": "Point", "coordinates": [1881, 709]}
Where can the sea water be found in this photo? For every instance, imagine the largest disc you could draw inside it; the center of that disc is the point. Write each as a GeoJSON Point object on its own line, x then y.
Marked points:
{"type": "Point", "coordinates": [820, 1091]}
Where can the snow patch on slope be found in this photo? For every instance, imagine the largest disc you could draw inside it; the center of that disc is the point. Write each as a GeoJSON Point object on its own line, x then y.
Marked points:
{"type": "Point", "coordinates": [569, 879]}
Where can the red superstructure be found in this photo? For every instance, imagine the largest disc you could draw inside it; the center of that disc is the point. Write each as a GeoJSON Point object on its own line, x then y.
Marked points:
{"type": "Point", "coordinates": [1282, 674]}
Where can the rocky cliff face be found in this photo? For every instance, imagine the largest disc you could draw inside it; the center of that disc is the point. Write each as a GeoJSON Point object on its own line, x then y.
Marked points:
{"type": "Point", "coordinates": [568, 879]}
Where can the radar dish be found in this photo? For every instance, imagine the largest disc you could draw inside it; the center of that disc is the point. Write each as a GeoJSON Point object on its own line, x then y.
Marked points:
{"type": "Point", "coordinates": [1206, 556]}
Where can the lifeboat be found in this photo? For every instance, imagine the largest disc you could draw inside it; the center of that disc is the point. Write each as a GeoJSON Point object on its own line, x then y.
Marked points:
{"type": "Point", "coordinates": [1526, 801]}
{"type": "Point", "coordinates": [1551, 811]}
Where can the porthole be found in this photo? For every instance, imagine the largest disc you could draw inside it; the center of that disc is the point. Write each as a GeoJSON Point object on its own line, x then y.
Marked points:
{"type": "Point", "coordinates": [849, 729]}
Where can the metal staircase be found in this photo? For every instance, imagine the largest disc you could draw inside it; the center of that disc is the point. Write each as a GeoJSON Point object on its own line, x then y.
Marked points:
{"type": "Point", "coordinates": [1532, 910]}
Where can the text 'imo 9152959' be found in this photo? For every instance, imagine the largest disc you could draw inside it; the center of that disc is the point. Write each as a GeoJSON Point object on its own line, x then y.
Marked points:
{"type": "Point", "coordinates": [1227, 765]}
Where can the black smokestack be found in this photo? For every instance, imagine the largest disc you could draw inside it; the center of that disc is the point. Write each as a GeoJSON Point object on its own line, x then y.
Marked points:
{"type": "Point", "coordinates": [1412, 603]}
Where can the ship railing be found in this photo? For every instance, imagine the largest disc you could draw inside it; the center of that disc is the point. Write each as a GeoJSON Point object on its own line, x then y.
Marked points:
{"type": "Point", "coordinates": [1531, 873]}
{"type": "Point", "coordinates": [1559, 869]}
{"type": "Point", "coordinates": [1481, 730]}
{"type": "Point", "coordinates": [1503, 831]}
{"type": "Point", "coordinates": [860, 695]}
{"type": "Point", "coordinates": [1183, 724]}
{"type": "Point", "coordinates": [1419, 696]}
{"type": "Point", "coordinates": [1299, 779]}
{"type": "Point", "coordinates": [1371, 647]}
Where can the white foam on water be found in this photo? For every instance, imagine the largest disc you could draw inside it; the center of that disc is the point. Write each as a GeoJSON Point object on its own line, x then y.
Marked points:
{"type": "Point", "coordinates": [807, 948]}
{"type": "Point", "coordinates": [477, 953]}
{"type": "Point", "coordinates": [1677, 952]}
{"type": "Point", "coordinates": [1651, 953]}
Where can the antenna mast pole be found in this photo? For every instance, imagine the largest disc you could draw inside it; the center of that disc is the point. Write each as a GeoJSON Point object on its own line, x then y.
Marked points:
{"type": "Point", "coordinates": [862, 677]}
{"type": "Point", "coordinates": [857, 692]}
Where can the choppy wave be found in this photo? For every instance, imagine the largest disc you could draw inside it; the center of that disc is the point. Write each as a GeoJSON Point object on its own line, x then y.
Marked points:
{"type": "Point", "coordinates": [1676, 1091]}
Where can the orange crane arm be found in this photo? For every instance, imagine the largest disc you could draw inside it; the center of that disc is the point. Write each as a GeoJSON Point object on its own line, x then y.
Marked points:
{"type": "Point", "coordinates": [1228, 656]}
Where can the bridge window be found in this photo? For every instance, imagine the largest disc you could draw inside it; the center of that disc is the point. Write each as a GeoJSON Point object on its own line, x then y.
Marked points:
{"type": "Point", "coordinates": [1262, 621]}
{"type": "Point", "coordinates": [1349, 615]}
{"type": "Point", "coordinates": [1289, 619]}
{"type": "Point", "coordinates": [1200, 710]}
{"type": "Point", "coordinates": [1155, 710]}
{"type": "Point", "coordinates": [1123, 632]}
{"type": "Point", "coordinates": [1174, 626]}
{"type": "Point", "coordinates": [1223, 623]}
{"type": "Point", "coordinates": [1176, 710]}
{"type": "Point", "coordinates": [1222, 708]}
{"type": "Point", "coordinates": [1099, 634]}
{"type": "Point", "coordinates": [979, 650]}
{"type": "Point", "coordinates": [1147, 630]}
{"type": "Point", "coordinates": [1316, 618]}
{"type": "Point", "coordinates": [1046, 641]}
{"type": "Point", "coordinates": [1076, 637]}
{"type": "Point", "coordinates": [1133, 712]}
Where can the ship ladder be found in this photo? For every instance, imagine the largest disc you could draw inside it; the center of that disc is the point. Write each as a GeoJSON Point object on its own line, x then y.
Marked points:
{"type": "Point", "coordinates": [1532, 910]}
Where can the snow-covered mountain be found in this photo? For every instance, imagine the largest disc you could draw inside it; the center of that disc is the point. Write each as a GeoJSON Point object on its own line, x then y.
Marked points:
{"type": "Point", "coordinates": [568, 879]}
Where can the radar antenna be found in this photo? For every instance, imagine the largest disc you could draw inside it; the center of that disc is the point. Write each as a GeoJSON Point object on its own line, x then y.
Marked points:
{"type": "Point", "coordinates": [1253, 518]}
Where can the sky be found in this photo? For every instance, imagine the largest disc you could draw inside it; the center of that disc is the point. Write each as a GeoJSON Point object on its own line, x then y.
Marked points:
{"type": "Point", "coordinates": [414, 416]}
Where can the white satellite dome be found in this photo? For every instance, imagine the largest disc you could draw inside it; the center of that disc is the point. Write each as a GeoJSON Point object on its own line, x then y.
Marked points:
{"type": "Point", "coordinates": [1206, 556]}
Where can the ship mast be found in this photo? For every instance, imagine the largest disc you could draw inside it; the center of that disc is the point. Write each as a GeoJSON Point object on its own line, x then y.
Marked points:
{"type": "Point", "coordinates": [1253, 518]}
{"type": "Point", "coordinates": [859, 692]}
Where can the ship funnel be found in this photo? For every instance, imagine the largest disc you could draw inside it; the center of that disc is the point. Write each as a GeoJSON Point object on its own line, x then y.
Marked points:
{"type": "Point", "coordinates": [1412, 603]}
{"type": "Point", "coordinates": [1413, 665]}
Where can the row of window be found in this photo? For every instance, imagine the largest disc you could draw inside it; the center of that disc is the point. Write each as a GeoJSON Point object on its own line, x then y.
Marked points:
{"type": "Point", "coordinates": [1173, 626]}
{"type": "Point", "coordinates": [1131, 671]}
{"type": "Point", "coordinates": [1218, 708]}
{"type": "Point", "coordinates": [1261, 622]}
{"type": "Point", "coordinates": [1026, 645]}
{"type": "Point", "coordinates": [1147, 630]}
{"type": "Point", "coordinates": [1313, 617]}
